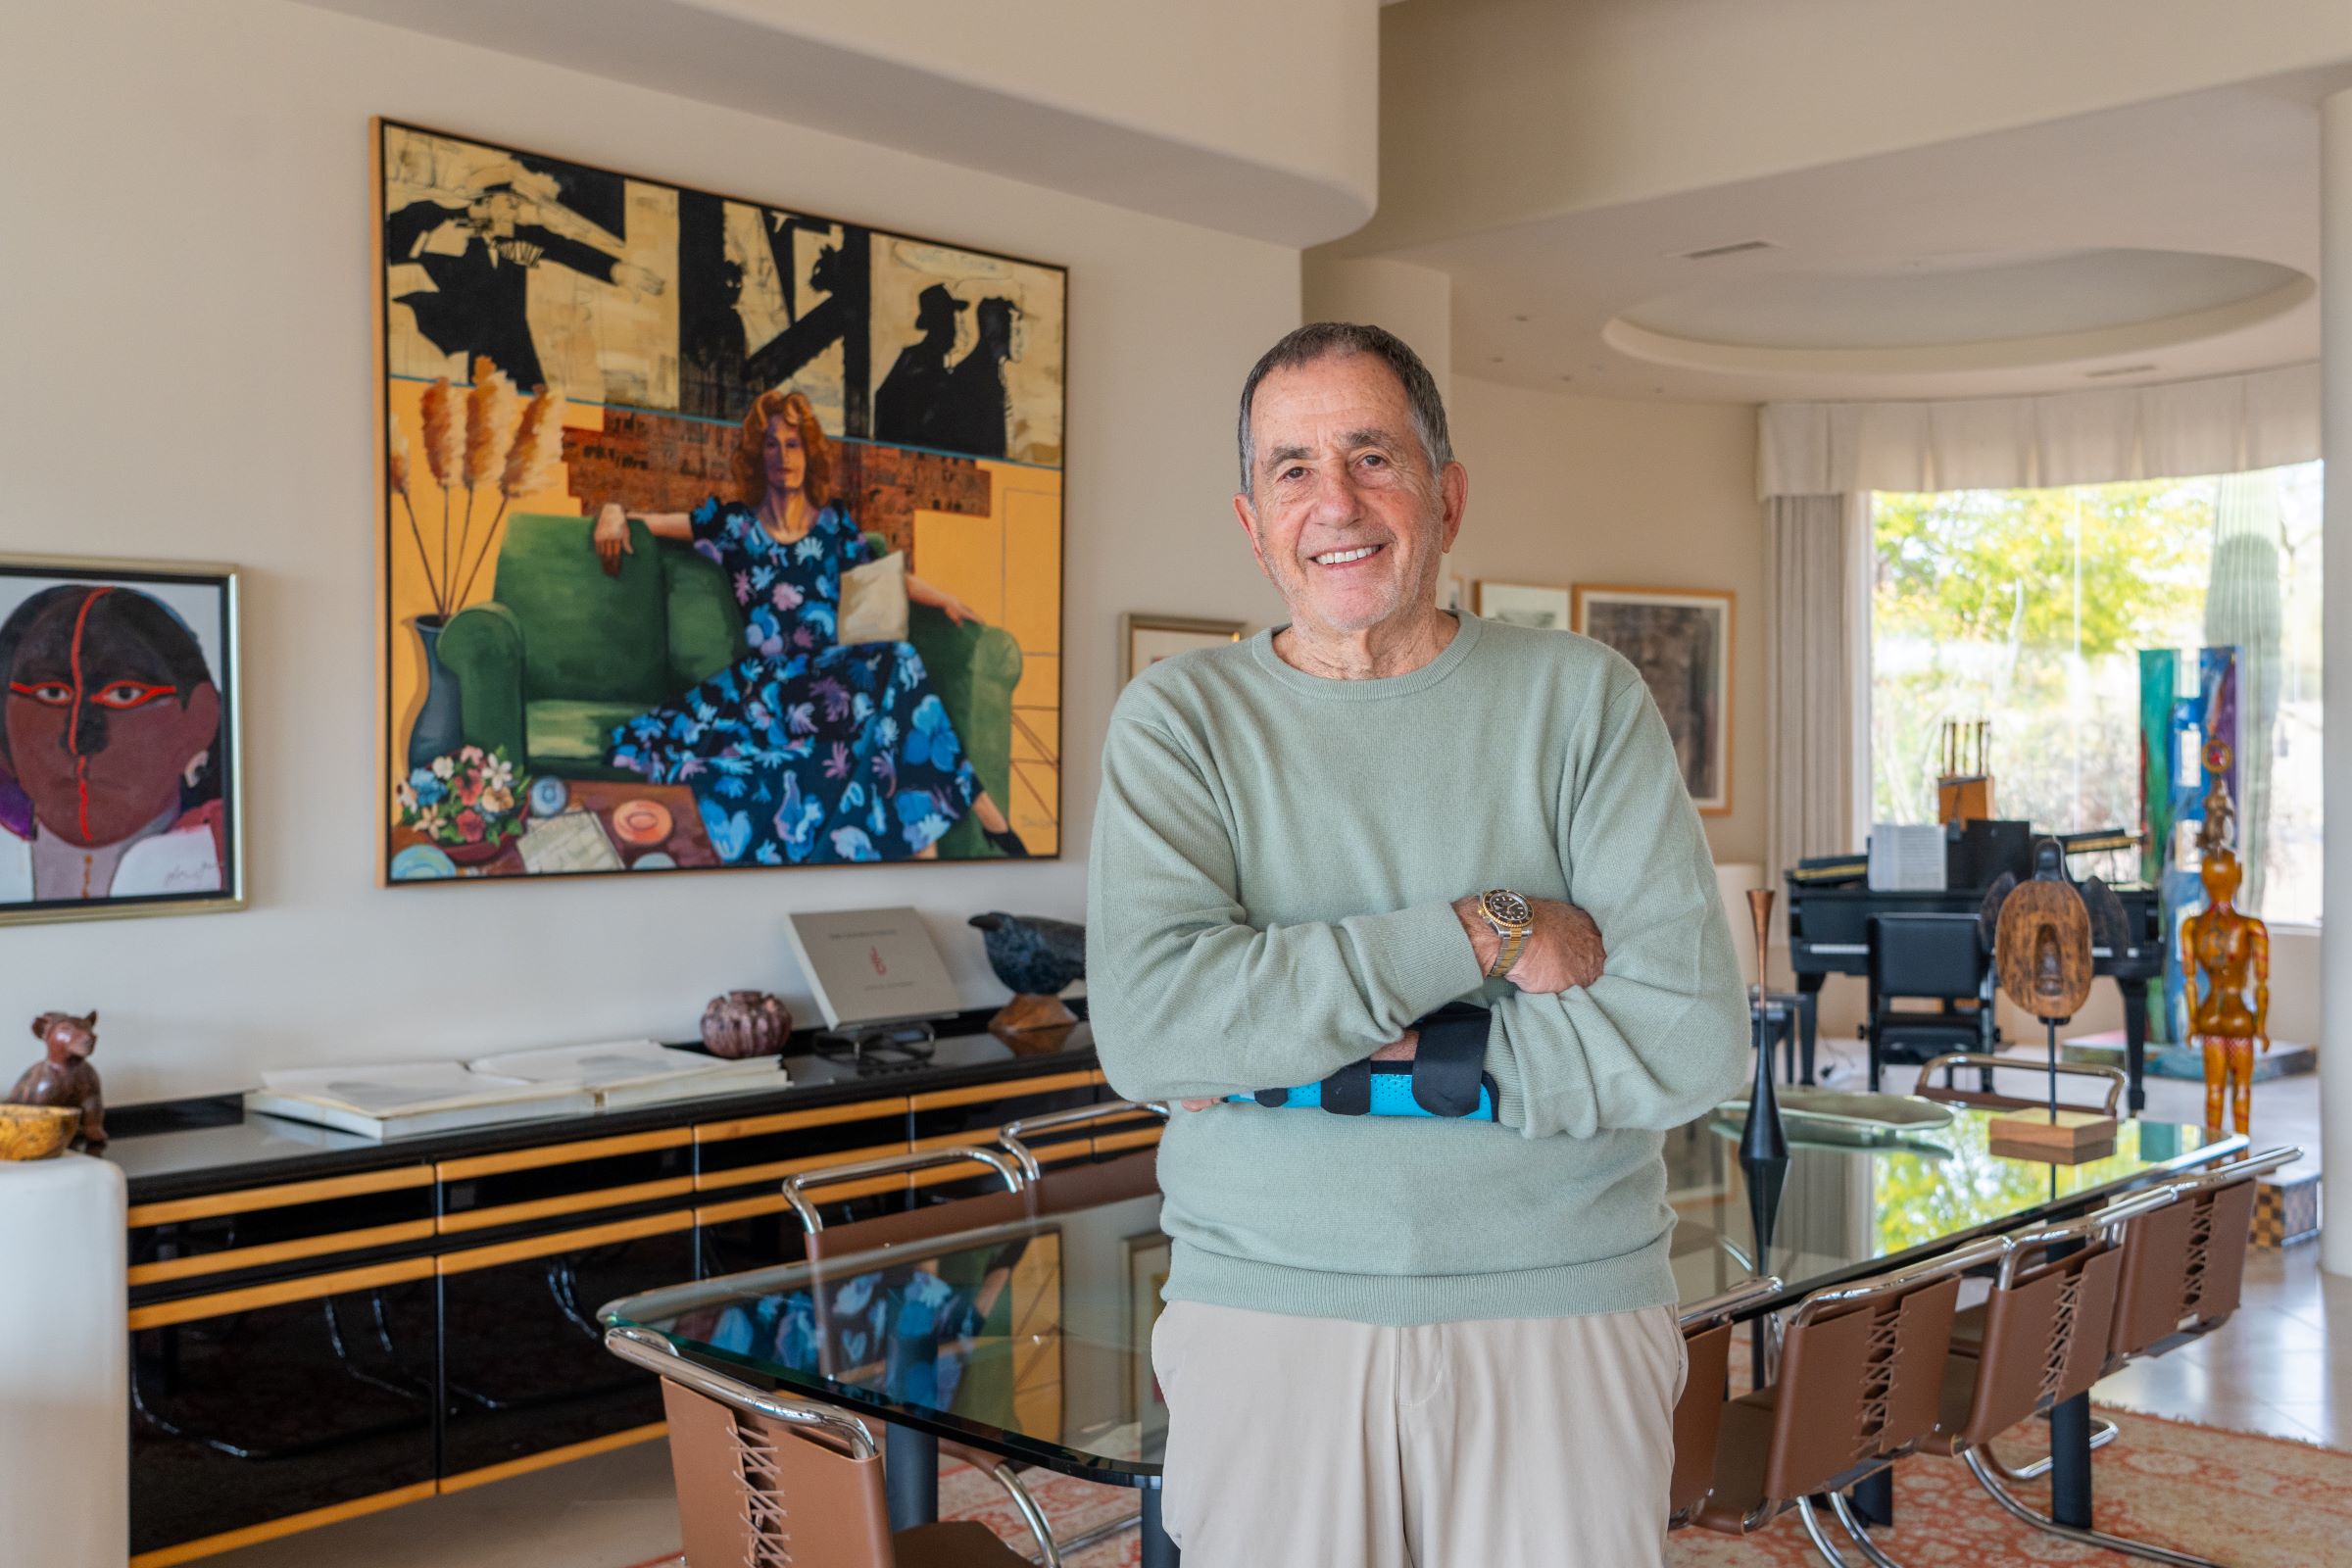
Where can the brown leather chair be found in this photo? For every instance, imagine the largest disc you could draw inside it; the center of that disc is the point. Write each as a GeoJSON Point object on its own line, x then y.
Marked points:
{"type": "Point", "coordinates": [2179, 1263]}
{"type": "Point", "coordinates": [1984, 1066]}
{"type": "Point", "coordinates": [2040, 1337]}
{"type": "Point", "coordinates": [1860, 1384]}
{"type": "Point", "coordinates": [766, 1480]}
{"type": "Point", "coordinates": [923, 1223]}
{"type": "Point", "coordinates": [1698, 1414]}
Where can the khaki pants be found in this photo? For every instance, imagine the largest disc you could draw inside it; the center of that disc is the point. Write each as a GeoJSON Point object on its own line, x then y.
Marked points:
{"type": "Point", "coordinates": [1310, 1443]}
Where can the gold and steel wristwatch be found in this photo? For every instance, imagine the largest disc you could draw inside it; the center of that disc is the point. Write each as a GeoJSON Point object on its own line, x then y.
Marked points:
{"type": "Point", "coordinates": [1508, 913]}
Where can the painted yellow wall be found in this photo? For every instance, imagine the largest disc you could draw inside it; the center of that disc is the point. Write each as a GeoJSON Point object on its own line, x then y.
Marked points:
{"type": "Point", "coordinates": [187, 252]}
{"type": "Point", "coordinates": [1566, 490]}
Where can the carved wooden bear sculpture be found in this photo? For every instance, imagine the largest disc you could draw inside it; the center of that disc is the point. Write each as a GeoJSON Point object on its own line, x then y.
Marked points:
{"type": "Point", "coordinates": [67, 1077]}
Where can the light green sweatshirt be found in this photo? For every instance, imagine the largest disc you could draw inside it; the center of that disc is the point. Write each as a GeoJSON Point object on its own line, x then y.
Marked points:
{"type": "Point", "coordinates": [1275, 860]}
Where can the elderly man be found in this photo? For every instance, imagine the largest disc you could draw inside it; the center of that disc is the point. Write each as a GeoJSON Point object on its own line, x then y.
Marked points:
{"type": "Point", "coordinates": [1396, 1338]}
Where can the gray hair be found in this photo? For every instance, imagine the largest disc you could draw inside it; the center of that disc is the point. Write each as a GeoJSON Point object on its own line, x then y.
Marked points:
{"type": "Point", "coordinates": [1322, 339]}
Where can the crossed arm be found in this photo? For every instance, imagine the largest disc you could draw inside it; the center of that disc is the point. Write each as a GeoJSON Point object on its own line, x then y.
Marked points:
{"type": "Point", "coordinates": [1190, 1001]}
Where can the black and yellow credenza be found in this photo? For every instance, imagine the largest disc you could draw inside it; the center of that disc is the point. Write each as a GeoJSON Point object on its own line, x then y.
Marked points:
{"type": "Point", "coordinates": [323, 1326]}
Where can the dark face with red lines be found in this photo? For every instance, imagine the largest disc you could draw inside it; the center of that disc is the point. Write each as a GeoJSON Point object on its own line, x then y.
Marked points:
{"type": "Point", "coordinates": [107, 709]}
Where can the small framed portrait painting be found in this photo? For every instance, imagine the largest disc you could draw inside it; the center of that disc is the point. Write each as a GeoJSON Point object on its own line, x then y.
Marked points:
{"type": "Point", "coordinates": [1524, 605]}
{"type": "Point", "coordinates": [1146, 639]}
{"type": "Point", "coordinates": [120, 769]}
{"type": "Point", "coordinates": [1681, 640]}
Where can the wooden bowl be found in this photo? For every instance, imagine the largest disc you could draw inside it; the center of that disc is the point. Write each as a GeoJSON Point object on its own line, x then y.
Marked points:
{"type": "Point", "coordinates": [37, 1132]}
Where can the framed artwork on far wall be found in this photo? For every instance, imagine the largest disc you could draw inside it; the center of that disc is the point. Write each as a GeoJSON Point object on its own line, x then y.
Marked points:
{"type": "Point", "coordinates": [1521, 604]}
{"type": "Point", "coordinates": [120, 775]}
{"type": "Point", "coordinates": [1681, 640]}
{"type": "Point", "coordinates": [1145, 639]}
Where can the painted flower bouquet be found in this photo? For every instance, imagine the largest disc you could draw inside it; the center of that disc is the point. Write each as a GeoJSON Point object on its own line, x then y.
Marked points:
{"type": "Point", "coordinates": [466, 802]}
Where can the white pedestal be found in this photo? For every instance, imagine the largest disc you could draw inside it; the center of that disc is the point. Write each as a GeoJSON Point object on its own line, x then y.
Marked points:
{"type": "Point", "coordinates": [65, 1446]}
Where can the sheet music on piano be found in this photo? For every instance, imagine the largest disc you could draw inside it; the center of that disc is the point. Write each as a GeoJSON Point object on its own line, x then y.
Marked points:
{"type": "Point", "coordinates": [1906, 856]}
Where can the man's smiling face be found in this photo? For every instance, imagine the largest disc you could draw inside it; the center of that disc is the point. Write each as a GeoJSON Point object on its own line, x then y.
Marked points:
{"type": "Point", "coordinates": [1346, 518]}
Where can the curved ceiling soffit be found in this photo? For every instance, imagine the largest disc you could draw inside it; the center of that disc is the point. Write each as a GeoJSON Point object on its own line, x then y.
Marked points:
{"type": "Point", "coordinates": [2038, 352]}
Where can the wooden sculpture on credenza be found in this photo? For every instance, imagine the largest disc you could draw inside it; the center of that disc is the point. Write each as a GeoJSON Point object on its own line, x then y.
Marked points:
{"type": "Point", "coordinates": [2226, 950]}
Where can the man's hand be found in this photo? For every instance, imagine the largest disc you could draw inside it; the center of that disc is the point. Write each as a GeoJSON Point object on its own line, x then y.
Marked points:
{"type": "Point", "coordinates": [1563, 947]}
{"type": "Point", "coordinates": [1394, 1050]}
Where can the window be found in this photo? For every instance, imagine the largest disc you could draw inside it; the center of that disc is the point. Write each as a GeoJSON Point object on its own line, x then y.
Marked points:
{"type": "Point", "coordinates": [2029, 608]}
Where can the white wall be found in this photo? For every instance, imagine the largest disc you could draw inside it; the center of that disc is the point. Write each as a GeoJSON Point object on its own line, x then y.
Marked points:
{"type": "Point", "coordinates": [187, 248]}
{"type": "Point", "coordinates": [1416, 303]}
{"type": "Point", "coordinates": [1566, 490]}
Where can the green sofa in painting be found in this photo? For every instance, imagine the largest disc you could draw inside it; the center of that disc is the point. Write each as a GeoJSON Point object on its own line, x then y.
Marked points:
{"type": "Point", "coordinates": [562, 654]}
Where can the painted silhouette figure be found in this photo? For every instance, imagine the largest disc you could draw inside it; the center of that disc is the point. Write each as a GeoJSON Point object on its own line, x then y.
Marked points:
{"type": "Point", "coordinates": [975, 413]}
{"type": "Point", "coordinates": [911, 402]}
{"type": "Point", "coordinates": [479, 255]}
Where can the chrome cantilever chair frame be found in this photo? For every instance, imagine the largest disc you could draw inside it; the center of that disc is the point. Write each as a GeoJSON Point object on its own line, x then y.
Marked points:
{"type": "Point", "coordinates": [796, 1188]}
{"type": "Point", "coordinates": [2113, 1077]}
{"type": "Point", "coordinates": [1989, 1472]}
{"type": "Point", "coordinates": [1010, 1172]}
{"type": "Point", "coordinates": [1012, 1134]}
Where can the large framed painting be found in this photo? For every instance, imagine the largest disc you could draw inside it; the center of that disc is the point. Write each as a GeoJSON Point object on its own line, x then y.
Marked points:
{"type": "Point", "coordinates": [715, 533]}
{"type": "Point", "coordinates": [1681, 641]}
{"type": "Point", "coordinates": [119, 768]}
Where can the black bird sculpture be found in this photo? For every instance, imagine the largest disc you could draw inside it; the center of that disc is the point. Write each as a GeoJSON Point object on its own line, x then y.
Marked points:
{"type": "Point", "coordinates": [1032, 954]}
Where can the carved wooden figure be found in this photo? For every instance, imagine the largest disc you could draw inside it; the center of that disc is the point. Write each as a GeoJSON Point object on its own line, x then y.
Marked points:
{"type": "Point", "coordinates": [66, 1078]}
{"type": "Point", "coordinates": [2227, 948]}
{"type": "Point", "coordinates": [2041, 946]}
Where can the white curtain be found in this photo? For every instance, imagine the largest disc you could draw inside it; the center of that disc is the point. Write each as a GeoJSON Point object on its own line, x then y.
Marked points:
{"type": "Point", "coordinates": [1816, 670]}
{"type": "Point", "coordinates": [2225, 424]}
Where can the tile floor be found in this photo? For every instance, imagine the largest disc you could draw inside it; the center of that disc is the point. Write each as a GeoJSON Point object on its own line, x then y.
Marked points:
{"type": "Point", "coordinates": [2270, 1371]}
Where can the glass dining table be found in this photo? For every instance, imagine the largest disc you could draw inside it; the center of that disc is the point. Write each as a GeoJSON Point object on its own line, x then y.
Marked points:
{"type": "Point", "coordinates": [1033, 1339]}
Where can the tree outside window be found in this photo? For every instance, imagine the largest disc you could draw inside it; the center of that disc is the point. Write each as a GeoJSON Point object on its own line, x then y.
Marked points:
{"type": "Point", "coordinates": [2029, 608]}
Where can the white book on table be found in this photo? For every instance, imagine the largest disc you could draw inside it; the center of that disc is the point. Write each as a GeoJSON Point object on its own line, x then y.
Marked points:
{"type": "Point", "coordinates": [405, 1098]}
{"type": "Point", "coordinates": [636, 1072]}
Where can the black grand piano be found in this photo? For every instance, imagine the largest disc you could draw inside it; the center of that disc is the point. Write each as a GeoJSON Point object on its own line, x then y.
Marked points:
{"type": "Point", "coordinates": [1829, 909]}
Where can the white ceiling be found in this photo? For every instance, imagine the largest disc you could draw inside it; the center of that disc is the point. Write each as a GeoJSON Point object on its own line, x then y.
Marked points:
{"type": "Point", "coordinates": [2163, 241]}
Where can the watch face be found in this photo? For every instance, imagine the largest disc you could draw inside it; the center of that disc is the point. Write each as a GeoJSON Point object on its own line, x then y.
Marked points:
{"type": "Point", "coordinates": [1506, 906]}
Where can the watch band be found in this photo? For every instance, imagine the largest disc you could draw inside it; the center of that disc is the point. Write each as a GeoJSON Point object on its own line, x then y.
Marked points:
{"type": "Point", "coordinates": [1514, 943]}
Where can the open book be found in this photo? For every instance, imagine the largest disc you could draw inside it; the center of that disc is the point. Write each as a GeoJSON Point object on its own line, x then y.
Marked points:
{"type": "Point", "coordinates": [407, 1098]}
{"type": "Point", "coordinates": [636, 1072]}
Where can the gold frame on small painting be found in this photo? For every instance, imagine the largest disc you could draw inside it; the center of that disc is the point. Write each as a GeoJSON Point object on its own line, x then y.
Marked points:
{"type": "Point", "coordinates": [206, 574]}
{"type": "Point", "coordinates": [1209, 632]}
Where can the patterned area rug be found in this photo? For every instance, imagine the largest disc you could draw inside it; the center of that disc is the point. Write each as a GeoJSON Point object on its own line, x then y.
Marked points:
{"type": "Point", "coordinates": [2251, 1501]}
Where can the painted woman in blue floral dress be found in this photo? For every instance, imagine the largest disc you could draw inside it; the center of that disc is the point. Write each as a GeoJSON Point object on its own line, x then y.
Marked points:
{"type": "Point", "coordinates": [803, 752]}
